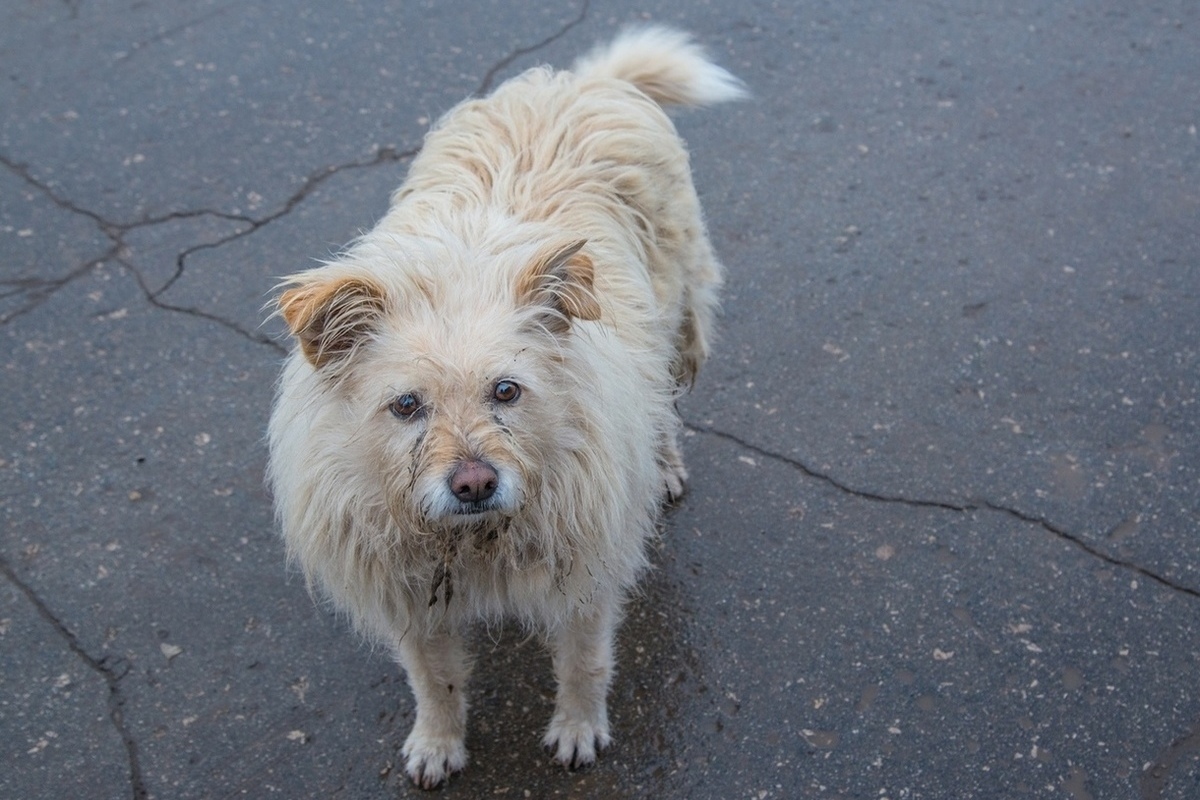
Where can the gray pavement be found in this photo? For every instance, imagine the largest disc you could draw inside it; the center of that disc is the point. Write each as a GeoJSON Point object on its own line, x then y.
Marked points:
{"type": "Point", "coordinates": [941, 539]}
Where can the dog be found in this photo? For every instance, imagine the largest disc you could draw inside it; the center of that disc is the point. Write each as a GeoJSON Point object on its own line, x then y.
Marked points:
{"type": "Point", "coordinates": [478, 418]}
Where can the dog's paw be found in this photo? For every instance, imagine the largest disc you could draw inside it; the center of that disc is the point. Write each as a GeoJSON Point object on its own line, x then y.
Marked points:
{"type": "Point", "coordinates": [430, 760]}
{"type": "Point", "coordinates": [574, 743]}
{"type": "Point", "coordinates": [674, 484]}
{"type": "Point", "coordinates": [674, 476]}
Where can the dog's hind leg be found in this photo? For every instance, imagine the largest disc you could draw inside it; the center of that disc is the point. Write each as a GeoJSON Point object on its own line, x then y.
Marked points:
{"type": "Point", "coordinates": [702, 281]}
{"type": "Point", "coordinates": [437, 668]}
{"type": "Point", "coordinates": [583, 665]}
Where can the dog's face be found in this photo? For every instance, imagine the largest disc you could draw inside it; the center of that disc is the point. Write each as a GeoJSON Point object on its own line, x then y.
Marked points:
{"type": "Point", "coordinates": [452, 372]}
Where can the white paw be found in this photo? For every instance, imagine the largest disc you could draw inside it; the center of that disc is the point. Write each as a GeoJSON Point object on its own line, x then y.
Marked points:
{"type": "Point", "coordinates": [674, 475]}
{"type": "Point", "coordinates": [432, 759]}
{"type": "Point", "coordinates": [674, 483]}
{"type": "Point", "coordinates": [574, 743]}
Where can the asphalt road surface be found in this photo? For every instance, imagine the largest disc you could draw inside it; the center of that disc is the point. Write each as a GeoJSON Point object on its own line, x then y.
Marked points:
{"type": "Point", "coordinates": [941, 539]}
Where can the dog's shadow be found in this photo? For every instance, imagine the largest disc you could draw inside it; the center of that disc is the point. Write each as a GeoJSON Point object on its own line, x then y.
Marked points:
{"type": "Point", "coordinates": [512, 698]}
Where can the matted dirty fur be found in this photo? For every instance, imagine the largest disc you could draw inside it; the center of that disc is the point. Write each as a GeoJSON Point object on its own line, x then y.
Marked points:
{"type": "Point", "coordinates": [478, 419]}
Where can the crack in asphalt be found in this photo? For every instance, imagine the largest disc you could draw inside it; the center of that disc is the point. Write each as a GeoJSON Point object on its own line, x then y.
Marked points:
{"type": "Point", "coordinates": [960, 508]}
{"type": "Point", "coordinates": [486, 84]}
{"type": "Point", "coordinates": [38, 290]}
{"type": "Point", "coordinates": [106, 669]}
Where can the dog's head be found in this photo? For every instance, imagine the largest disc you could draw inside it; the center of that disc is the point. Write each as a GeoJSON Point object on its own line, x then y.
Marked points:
{"type": "Point", "coordinates": [450, 362]}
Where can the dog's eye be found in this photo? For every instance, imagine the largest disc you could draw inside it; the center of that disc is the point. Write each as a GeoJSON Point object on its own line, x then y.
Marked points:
{"type": "Point", "coordinates": [506, 392]}
{"type": "Point", "coordinates": [405, 406]}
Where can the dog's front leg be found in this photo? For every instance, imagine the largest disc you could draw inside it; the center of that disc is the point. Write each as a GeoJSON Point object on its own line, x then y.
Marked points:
{"type": "Point", "coordinates": [437, 668]}
{"type": "Point", "coordinates": [583, 665]}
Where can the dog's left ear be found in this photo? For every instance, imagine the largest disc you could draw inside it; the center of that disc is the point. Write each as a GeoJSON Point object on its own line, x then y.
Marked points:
{"type": "Point", "coordinates": [560, 278]}
{"type": "Point", "coordinates": [329, 317]}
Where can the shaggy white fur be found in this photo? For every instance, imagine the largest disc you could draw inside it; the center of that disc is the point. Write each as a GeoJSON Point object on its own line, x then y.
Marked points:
{"type": "Point", "coordinates": [478, 421]}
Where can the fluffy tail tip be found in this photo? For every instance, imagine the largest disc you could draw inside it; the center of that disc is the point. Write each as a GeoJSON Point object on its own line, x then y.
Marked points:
{"type": "Point", "coordinates": [667, 64]}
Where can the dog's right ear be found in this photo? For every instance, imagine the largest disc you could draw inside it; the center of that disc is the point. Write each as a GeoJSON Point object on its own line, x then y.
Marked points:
{"type": "Point", "coordinates": [330, 316]}
{"type": "Point", "coordinates": [560, 280]}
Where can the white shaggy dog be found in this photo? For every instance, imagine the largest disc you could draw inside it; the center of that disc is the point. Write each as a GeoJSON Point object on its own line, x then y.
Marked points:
{"type": "Point", "coordinates": [478, 420]}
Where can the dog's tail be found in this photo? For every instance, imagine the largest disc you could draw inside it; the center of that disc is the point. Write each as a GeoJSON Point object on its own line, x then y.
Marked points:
{"type": "Point", "coordinates": [664, 63]}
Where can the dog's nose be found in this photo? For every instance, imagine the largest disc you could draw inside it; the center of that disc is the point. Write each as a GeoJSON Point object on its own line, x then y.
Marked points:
{"type": "Point", "coordinates": [473, 481]}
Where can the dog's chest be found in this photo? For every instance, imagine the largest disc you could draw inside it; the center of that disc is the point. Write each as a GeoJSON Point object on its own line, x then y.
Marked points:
{"type": "Point", "coordinates": [486, 565]}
